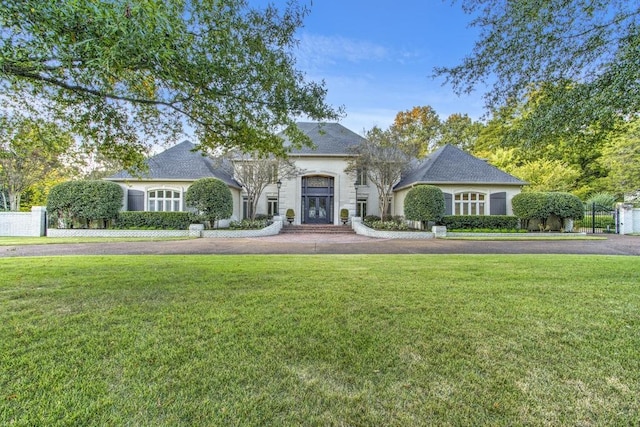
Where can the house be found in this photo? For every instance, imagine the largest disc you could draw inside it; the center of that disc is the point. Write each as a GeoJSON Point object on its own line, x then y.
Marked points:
{"type": "Point", "coordinates": [322, 187]}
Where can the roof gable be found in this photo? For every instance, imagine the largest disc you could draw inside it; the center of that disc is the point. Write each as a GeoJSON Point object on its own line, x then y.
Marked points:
{"type": "Point", "coordinates": [328, 139]}
{"type": "Point", "coordinates": [180, 162]}
{"type": "Point", "coordinates": [449, 164]}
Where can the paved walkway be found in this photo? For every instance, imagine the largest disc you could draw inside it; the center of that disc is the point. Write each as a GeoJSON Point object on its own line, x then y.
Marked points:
{"type": "Point", "coordinates": [334, 244]}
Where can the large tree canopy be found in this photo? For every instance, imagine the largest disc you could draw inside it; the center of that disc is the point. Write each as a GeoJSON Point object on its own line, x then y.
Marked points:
{"type": "Point", "coordinates": [584, 53]}
{"type": "Point", "coordinates": [123, 74]}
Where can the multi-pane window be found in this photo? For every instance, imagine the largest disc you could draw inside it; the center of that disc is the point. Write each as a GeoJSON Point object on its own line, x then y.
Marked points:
{"type": "Point", "coordinates": [361, 208]}
{"type": "Point", "coordinates": [361, 177]}
{"type": "Point", "coordinates": [272, 206]}
{"type": "Point", "coordinates": [469, 204]}
{"type": "Point", "coordinates": [163, 201]}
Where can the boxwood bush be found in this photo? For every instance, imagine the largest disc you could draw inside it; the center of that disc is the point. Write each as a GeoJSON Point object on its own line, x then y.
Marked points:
{"type": "Point", "coordinates": [542, 205]}
{"type": "Point", "coordinates": [82, 204]}
{"type": "Point", "coordinates": [424, 203]}
{"type": "Point", "coordinates": [154, 220]}
{"type": "Point", "coordinates": [486, 222]}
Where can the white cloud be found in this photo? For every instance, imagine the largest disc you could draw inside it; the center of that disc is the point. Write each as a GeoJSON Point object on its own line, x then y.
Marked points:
{"type": "Point", "coordinates": [318, 52]}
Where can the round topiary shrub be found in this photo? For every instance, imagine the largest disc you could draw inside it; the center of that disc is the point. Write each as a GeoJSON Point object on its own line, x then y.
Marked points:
{"type": "Point", "coordinates": [424, 203]}
{"type": "Point", "coordinates": [84, 203]}
{"type": "Point", "coordinates": [211, 197]}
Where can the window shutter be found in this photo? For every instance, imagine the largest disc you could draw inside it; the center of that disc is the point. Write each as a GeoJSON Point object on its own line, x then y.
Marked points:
{"type": "Point", "coordinates": [498, 203]}
{"type": "Point", "coordinates": [135, 200]}
{"type": "Point", "coordinates": [448, 204]}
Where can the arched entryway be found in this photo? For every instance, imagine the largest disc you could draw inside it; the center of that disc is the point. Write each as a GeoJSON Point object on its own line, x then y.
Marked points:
{"type": "Point", "coordinates": [317, 200]}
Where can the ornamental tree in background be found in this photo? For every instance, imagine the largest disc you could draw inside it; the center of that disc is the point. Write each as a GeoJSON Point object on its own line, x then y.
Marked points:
{"type": "Point", "coordinates": [30, 151]}
{"type": "Point", "coordinates": [125, 74]}
{"type": "Point", "coordinates": [212, 198]}
{"type": "Point", "coordinates": [424, 203]}
{"type": "Point", "coordinates": [584, 53]}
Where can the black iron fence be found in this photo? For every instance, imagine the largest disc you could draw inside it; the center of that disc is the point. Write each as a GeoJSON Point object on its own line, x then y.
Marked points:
{"type": "Point", "coordinates": [597, 220]}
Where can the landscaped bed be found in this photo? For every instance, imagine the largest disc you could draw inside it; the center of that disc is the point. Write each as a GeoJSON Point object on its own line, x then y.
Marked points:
{"type": "Point", "coordinates": [322, 340]}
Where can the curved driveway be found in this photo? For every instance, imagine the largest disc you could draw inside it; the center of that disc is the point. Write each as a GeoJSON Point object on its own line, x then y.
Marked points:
{"type": "Point", "coordinates": [334, 244]}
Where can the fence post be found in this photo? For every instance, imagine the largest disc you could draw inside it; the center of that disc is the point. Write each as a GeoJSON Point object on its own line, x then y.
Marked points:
{"type": "Point", "coordinates": [593, 218]}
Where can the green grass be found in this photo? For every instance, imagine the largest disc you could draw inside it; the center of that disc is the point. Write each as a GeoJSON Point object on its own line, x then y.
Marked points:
{"type": "Point", "coordinates": [17, 241]}
{"type": "Point", "coordinates": [320, 340]}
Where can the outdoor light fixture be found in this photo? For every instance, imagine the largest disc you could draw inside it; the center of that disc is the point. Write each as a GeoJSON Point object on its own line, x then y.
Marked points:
{"type": "Point", "coordinates": [279, 184]}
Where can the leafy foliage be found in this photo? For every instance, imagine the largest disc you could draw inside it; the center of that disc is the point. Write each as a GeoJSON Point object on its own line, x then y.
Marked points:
{"type": "Point", "coordinates": [470, 222]}
{"type": "Point", "coordinates": [541, 206]}
{"type": "Point", "coordinates": [424, 203]}
{"type": "Point", "coordinates": [384, 158]}
{"type": "Point", "coordinates": [584, 53]}
{"type": "Point", "coordinates": [31, 152]}
{"type": "Point", "coordinates": [249, 224]}
{"type": "Point", "coordinates": [603, 201]}
{"type": "Point", "coordinates": [154, 220]}
{"type": "Point", "coordinates": [79, 203]}
{"type": "Point", "coordinates": [122, 74]}
{"type": "Point", "coordinates": [211, 197]}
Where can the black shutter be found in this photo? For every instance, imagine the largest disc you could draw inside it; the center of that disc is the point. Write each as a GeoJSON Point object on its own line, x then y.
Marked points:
{"type": "Point", "coordinates": [448, 204]}
{"type": "Point", "coordinates": [135, 200]}
{"type": "Point", "coordinates": [498, 203]}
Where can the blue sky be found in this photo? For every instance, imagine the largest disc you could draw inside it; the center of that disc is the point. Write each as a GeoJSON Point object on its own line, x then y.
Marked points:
{"type": "Point", "coordinates": [376, 57]}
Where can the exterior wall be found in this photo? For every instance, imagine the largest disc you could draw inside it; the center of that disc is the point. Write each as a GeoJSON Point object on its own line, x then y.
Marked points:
{"type": "Point", "coordinates": [629, 219]}
{"type": "Point", "coordinates": [23, 224]}
{"type": "Point", "coordinates": [398, 205]}
{"type": "Point", "coordinates": [344, 189]}
{"type": "Point", "coordinates": [180, 186]}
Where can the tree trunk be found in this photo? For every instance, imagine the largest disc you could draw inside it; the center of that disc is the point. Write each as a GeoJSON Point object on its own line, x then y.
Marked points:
{"type": "Point", "coordinates": [14, 201]}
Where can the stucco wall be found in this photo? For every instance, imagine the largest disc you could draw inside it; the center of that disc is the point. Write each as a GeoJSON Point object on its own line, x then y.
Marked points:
{"type": "Point", "coordinates": [398, 207]}
{"type": "Point", "coordinates": [23, 224]}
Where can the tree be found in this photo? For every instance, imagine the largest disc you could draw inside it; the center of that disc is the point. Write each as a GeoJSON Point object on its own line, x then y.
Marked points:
{"type": "Point", "coordinates": [384, 160]}
{"type": "Point", "coordinates": [82, 203]}
{"type": "Point", "coordinates": [461, 131]}
{"type": "Point", "coordinates": [255, 171]}
{"type": "Point", "coordinates": [621, 156]}
{"type": "Point", "coordinates": [211, 197]}
{"type": "Point", "coordinates": [584, 53]}
{"type": "Point", "coordinates": [424, 203]}
{"type": "Point", "coordinates": [124, 74]}
{"type": "Point", "coordinates": [30, 150]}
{"type": "Point", "coordinates": [418, 130]}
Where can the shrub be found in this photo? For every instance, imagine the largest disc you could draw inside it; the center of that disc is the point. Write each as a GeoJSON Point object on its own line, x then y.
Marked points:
{"type": "Point", "coordinates": [290, 213]}
{"type": "Point", "coordinates": [84, 203]}
{"type": "Point", "coordinates": [424, 203]}
{"type": "Point", "coordinates": [249, 224]}
{"type": "Point", "coordinates": [371, 218]}
{"type": "Point", "coordinates": [211, 197]}
{"type": "Point", "coordinates": [603, 201]}
{"type": "Point", "coordinates": [344, 213]}
{"type": "Point", "coordinates": [155, 220]}
{"type": "Point", "coordinates": [487, 222]}
{"type": "Point", "coordinates": [541, 206]}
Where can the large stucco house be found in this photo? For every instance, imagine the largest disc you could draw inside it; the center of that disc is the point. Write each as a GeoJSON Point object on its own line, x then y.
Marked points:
{"type": "Point", "coordinates": [322, 188]}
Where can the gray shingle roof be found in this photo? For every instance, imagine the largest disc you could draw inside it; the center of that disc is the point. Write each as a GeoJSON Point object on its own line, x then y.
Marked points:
{"type": "Point", "coordinates": [328, 138]}
{"type": "Point", "coordinates": [180, 162]}
{"type": "Point", "coordinates": [451, 165]}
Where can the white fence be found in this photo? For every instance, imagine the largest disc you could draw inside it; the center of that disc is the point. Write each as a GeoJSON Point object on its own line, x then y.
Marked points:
{"type": "Point", "coordinates": [23, 224]}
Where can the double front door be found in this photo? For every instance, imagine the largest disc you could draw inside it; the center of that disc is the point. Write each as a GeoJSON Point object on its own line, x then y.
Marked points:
{"type": "Point", "coordinates": [317, 209]}
{"type": "Point", "coordinates": [317, 200]}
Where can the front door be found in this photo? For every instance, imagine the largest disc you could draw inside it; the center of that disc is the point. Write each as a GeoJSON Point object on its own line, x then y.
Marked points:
{"type": "Point", "coordinates": [317, 200]}
{"type": "Point", "coordinates": [317, 210]}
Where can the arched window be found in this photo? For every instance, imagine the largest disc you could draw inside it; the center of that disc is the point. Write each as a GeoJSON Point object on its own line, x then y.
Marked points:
{"type": "Point", "coordinates": [163, 201]}
{"type": "Point", "coordinates": [469, 204]}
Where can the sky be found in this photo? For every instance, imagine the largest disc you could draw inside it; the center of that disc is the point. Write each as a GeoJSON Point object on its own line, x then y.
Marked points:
{"type": "Point", "coordinates": [376, 57]}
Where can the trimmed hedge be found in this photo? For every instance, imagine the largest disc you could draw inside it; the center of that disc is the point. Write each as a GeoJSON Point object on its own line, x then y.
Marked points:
{"type": "Point", "coordinates": [471, 222]}
{"type": "Point", "coordinates": [211, 197]}
{"type": "Point", "coordinates": [82, 204]}
{"type": "Point", "coordinates": [154, 220]}
{"type": "Point", "coordinates": [424, 203]}
{"type": "Point", "coordinates": [539, 205]}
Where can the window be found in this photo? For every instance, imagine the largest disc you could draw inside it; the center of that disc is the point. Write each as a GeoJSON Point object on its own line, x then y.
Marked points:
{"type": "Point", "coordinates": [361, 208]}
{"type": "Point", "coordinates": [164, 201]}
{"type": "Point", "coordinates": [469, 204]}
{"type": "Point", "coordinates": [272, 206]}
{"type": "Point", "coordinates": [361, 177]}
{"type": "Point", "coordinates": [245, 207]}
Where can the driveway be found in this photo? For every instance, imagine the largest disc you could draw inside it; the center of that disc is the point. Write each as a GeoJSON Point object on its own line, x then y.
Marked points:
{"type": "Point", "coordinates": [334, 244]}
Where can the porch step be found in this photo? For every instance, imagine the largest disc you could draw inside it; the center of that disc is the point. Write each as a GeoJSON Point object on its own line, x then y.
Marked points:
{"type": "Point", "coordinates": [317, 228]}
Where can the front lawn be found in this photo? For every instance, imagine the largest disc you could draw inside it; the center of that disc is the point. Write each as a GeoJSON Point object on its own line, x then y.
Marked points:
{"type": "Point", "coordinates": [320, 340]}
